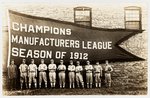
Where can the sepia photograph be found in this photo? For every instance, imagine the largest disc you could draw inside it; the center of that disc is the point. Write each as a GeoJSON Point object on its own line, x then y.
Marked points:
{"type": "Point", "coordinates": [74, 47]}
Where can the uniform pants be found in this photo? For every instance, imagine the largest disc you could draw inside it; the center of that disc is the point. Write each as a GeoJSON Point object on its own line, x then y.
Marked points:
{"type": "Point", "coordinates": [97, 78]}
{"type": "Point", "coordinates": [71, 77]}
{"type": "Point", "coordinates": [79, 78]}
{"type": "Point", "coordinates": [23, 77]}
{"type": "Point", "coordinates": [61, 78]}
{"type": "Point", "coordinates": [42, 76]}
{"type": "Point", "coordinates": [32, 77]}
{"type": "Point", "coordinates": [107, 78]}
{"type": "Point", "coordinates": [52, 77]}
{"type": "Point", "coordinates": [89, 77]}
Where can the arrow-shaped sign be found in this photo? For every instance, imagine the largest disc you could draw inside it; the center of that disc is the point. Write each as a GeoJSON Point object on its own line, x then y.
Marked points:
{"type": "Point", "coordinates": [39, 37]}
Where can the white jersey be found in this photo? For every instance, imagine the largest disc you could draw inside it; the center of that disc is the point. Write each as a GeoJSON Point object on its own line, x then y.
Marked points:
{"type": "Point", "coordinates": [79, 68]}
{"type": "Point", "coordinates": [42, 67]}
{"type": "Point", "coordinates": [71, 68]}
{"type": "Point", "coordinates": [62, 67]}
{"type": "Point", "coordinates": [107, 67]}
{"type": "Point", "coordinates": [88, 68]}
{"type": "Point", "coordinates": [98, 68]}
{"type": "Point", "coordinates": [32, 67]}
{"type": "Point", "coordinates": [23, 68]}
{"type": "Point", "coordinates": [52, 66]}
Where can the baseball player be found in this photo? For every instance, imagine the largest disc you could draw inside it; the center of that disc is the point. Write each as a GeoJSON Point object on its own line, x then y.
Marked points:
{"type": "Point", "coordinates": [12, 74]}
{"type": "Point", "coordinates": [62, 69]}
{"type": "Point", "coordinates": [52, 73]}
{"type": "Point", "coordinates": [42, 73]}
{"type": "Point", "coordinates": [97, 74]}
{"type": "Point", "coordinates": [108, 70]}
{"type": "Point", "coordinates": [71, 69]}
{"type": "Point", "coordinates": [23, 73]}
{"type": "Point", "coordinates": [32, 70]}
{"type": "Point", "coordinates": [79, 78]}
{"type": "Point", "coordinates": [89, 76]}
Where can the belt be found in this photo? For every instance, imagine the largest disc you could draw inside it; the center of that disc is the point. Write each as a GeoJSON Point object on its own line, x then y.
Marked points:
{"type": "Point", "coordinates": [78, 72]}
{"type": "Point", "coordinates": [97, 72]}
{"type": "Point", "coordinates": [88, 72]}
{"type": "Point", "coordinates": [62, 71]}
{"type": "Point", "coordinates": [42, 71]}
{"type": "Point", "coordinates": [71, 71]}
{"type": "Point", "coordinates": [32, 71]}
{"type": "Point", "coordinates": [24, 72]}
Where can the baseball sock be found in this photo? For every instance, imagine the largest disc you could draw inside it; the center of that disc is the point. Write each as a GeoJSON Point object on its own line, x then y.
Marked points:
{"type": "Point", "coordinates": [73, 85]}
{"type": "Point", "coordinates": [39, 85]}
{"type": "Point", "coordinates": [96, 84]}
{"type": "Point", "coordinates": [82, 84]}
{"type": "Point", "coordinates": [35, 85]}
{"type": "Point", "coordinates": [63, 85]}
{"type": "Point", "coordinates": [51, 84]}
{"type": "Point", "coordinates": [99, 84]}
{"type": "Point", "coordinates": [54, 84]}
{"type": "Point", "coordinates": [21, 85]}
{"type": "Point", "coordinates": [87, 85]}
{"type": "Point", "coordinates": [90, 85]}
{"type": "Point", "coordinates": [45, 85]}
{"type": "Point", "coordinates": [70, 85]}
{"type": "Point", "coordinates": [29, 85]}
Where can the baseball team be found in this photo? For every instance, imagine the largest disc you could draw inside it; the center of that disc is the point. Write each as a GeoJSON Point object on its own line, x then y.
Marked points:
{"type": "Point", "coordinates": [28, 74]}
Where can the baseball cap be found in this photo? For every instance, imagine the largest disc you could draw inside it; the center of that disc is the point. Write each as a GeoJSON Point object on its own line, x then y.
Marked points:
{"type": "Point", "coordinates": [51, 60]}
{"type": "Point", "coordinates": [61, 60]}
{"type": "Point", "coordinates": [88, 61]}
{"type": "Point", "coordinates": [78, 62]}
{"type": "Point", "coordinates": [71, 61]}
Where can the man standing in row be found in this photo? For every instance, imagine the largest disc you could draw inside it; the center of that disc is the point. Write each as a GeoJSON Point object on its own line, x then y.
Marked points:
{"type": "Point", "coordinates": [32, 70]}
{"type": "Point", "coordinates": [23, 73]}
{"type": "Point", "coordinates": [79, 77]}
{"type": "Point", "coordinates": [97, 74]}
{"type": "Point", "coordinates": [89, 74]}
{"type": "Point", "coordinates": [71, 69]}
{"type": "Point", "coordinates": [42, 73]}
{"type": "Point", "coordinates": [61, 74]}
{"type": "Point", "coordinates": [52, 73]}
{"type": "Point", "coordinates": [12, 75]}
{"type": "Point", "coordinates": [108, 70]}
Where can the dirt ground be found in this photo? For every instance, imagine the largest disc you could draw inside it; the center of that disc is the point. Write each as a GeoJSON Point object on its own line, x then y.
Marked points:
{"type": "Point", "coordinates": [67, 91]}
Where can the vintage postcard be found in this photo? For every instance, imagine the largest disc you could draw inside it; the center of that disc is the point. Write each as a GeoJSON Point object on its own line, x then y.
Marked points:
{"type": "Point", "coordinates": [73, 47]}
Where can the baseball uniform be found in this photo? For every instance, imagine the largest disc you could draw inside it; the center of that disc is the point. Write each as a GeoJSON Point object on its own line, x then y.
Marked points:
{"type": "Point", "coordinates": [32, 74]}
{"type": "Point", "coordinates": [62, 69]}
{"type": "Point", "coordinates": [98, 73]}
{"type": "Point", "coordinates": [79, 78]}
{"type": "Point", "coordinates": [52, 74]}
{"type": "Point", "coordinates": [42, 74]}
{"type": "Point", "coordinates": [108, 75]}
{"type": "Point", "coordinates": [89, 76]}
{"type": "Point", "coordinates": [71, 69]}
{"type": "Point", "coordinates": [23, 74]}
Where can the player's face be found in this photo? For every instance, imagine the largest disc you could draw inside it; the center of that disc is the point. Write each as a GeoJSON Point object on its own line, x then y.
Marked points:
{"type": "Point", "coordinates": [42, 61]}
{"type": "Point", "coordinates": [97, 63]}
{"type": "Point", "coordinates": [78, 63]}
{"type": "Point", "coordinates": [106, 62]}
{"type": "Point", "coordinates": [61, 63]}
{"type": "Point", "coordinates": [88, 63]}
{"type": "Point", "coordinates": [52, 62]}
{"type": "Point", "coordinates": [12, 62]}
{"type": "Point", "coordinates": [23, 61]}
{"type": "Point", "coordinates": [71, 63]}
{"type": "Point", "coordinates": [32, 62]}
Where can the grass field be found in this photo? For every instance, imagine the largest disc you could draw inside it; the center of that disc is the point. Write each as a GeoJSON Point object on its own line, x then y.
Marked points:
{"type": "Point", "coordinates": [67, 91]}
